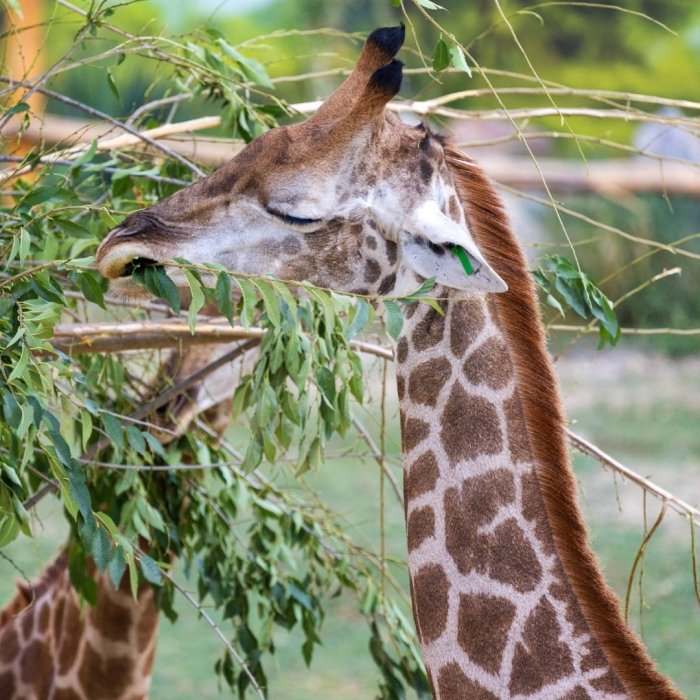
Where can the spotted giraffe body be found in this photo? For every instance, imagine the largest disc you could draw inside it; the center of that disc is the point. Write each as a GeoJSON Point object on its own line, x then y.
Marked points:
{"type": "Point", "coordinates": [508, 598]}
{"type": "Point", "coordinates": [51, 649]}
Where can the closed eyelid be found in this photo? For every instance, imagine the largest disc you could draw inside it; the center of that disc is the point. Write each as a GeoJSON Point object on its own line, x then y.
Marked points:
{"type": "Point", "coordinates": [289, 219]}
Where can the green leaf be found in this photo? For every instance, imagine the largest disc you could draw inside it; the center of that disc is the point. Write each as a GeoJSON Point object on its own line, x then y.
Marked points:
{"type": "Point", "coordinates": [252, 69]}
{"type": "Point", "coordinates": [39, 195]}
{"type": "Point", "coordinates": [113, 428]}
{"type": "Point", "coordinates": [430, 5]}
{"type": "Point", "coordinates": [363, 315]}
{"type": "Point", "coordinates": [91, 287]}
{"type": "Point", "coordinates": [270, 302]}
{"type": "Point", "coordinates": [248, 301]}
{"type": "Point", "coordinates": [325, 379]}
{"type": "Point", "coordinates": [17, 109]}
{"type": "Point", "coordinates": [80, 493]}
{"type": "Point", "coordinates": [394, 318]}
{"type": "Point", "coordinates": [136, 440]}
{"type": "Point", "coordinates": [441, 55]}
{"type": "Point", "coordinates": [21, 365]}
{"type": "Point", "coordinates": [167, 289]}
{"type": "Point", "coordinates": [224, 295]}
{"type": "Point", "coordinates": [197, 301]}
{"type": "Point", "coordinates": [151, 570]}
{"type": "Point", "coordinates": [458, 59]}
{"type": "Point", "coordinates": [133, 574]}
{"type": "Point", "coordinates": [101, 547]}
{"type": "Point", "coordinates": [113, 85]}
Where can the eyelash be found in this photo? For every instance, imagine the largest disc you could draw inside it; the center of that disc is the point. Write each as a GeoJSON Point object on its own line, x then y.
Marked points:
{"type": "Point", "coordinates": [294, 220]}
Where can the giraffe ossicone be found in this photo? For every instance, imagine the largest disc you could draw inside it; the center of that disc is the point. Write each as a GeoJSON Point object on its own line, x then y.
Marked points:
{"type": "Point", "coordinates": [509, 601]}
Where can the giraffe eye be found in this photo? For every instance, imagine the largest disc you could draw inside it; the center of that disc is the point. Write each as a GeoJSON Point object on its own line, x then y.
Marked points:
{"type": "Point", "coordinates": [294, 220]}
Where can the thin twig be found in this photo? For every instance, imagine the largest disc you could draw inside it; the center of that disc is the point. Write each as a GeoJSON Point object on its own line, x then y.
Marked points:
{"type": "Point", "coordinates": [115, 122]}
{"type": "Point", "coordinates": [377, 455]}
{"type": "Point", "coordinates": [588, 448]}
{"type": "Point", "coordinates": [197, 606]}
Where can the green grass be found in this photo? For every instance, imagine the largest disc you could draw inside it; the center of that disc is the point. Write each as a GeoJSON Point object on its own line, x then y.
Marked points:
{"type": "Point", "coordinates": [642, 414]}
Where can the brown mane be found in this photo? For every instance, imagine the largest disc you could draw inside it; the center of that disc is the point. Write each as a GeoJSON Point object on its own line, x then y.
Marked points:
{"type": "Point", "coordinates": [29, 591]}
{"type": "Point", "coordinates": [519, 315]}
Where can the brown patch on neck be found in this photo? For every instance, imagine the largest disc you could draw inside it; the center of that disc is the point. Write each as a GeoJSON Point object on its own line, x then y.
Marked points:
{"type": "Point", "coordinates": [519, 317]}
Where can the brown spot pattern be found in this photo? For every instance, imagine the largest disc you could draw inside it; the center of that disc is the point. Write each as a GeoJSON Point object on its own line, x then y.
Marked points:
{"type": "Point", "coordinates": [490, 364]}
{"type": "Point", "coordinates": [9, 645]}
{"type": "Point", "coordinates": [372, 271]}
{"type": "Point", "coordinates": [454, 685]}
{"type": "Point", "coordinates": [542, 659]}
{"type": "Point", "coordinates": [44, 617]}
{"type": "Point", "coordinates": [505, 554]}
{"type": "Point", "coordinates": [470, 426]}
{"type": "Point", "coordinates": [518, 440]}
{"type": "Point", "coordinates": [609, 683]}
{"type": "Point", "coordinates": [421, 477]}
{"type": "Point", "coordinates": [101, 677]}
{"type": "Point", "coordinates": [388, 283]}
{"type": "Point", "coordinates": [111, 619]}
{"type": "Point", "coordinates": [70, 637]}
{"type": "Point", "coordinates": [26, 622]}
{"type": "Point", "coordinates": [484, 623]}
{"type": "Point", "coordinates": [466, 322]}
{"type": "Point", "coordinates": [66, 694]}
{"type": "Point", "coordinates": [420, 526]}
{"type": "Point", "coordinates": [430, 589]}
{"type": "Point", "coordinates": [513, 560]}
{"type": "Point", "coordinates": [429, 330]}
{"type": "Point", "coordinates": [578, 693]}
{"type": "Point", "coordinates": [35, 662]}
{"type": "Point", "coordinates": [147, 625]}
{"type": "Point", "coordinates": [428, 379]}
{"type": "Point", "coordinates": [402, 350]}
{"type": "Point", "coordinates": [400, 386]}
{"type": "Point", "coordinates": [413, 432]}
{"type": "Point", "coordinates": [392, 251]}
{"type": "Point", "coordinates": [7, 684]}
{"type": "Point", "coordinates": [534, 510]}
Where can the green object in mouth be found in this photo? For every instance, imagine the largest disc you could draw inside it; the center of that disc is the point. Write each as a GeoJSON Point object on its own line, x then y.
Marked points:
{"type": "Point", "coordinates": [459, 252]}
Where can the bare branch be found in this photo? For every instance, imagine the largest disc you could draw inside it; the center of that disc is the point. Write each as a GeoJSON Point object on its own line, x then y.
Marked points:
{"type": "Point", "coordinates": [588, 448]}
{"type": "Point", "coordinates": [74, 338]}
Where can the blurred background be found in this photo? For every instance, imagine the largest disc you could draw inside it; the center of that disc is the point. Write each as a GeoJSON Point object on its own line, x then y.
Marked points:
{"type": "Point", "coordinates": [624, 170]}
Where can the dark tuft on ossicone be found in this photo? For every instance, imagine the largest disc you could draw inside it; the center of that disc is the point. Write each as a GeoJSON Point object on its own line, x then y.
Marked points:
{"type": "Point", "coordinates": [387, 79]}
{"type": "Point", "coordinates": [388, 39]}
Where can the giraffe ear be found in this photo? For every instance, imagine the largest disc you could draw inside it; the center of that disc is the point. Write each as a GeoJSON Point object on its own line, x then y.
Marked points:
{"type": "Point", "coordinates": [435, 246]}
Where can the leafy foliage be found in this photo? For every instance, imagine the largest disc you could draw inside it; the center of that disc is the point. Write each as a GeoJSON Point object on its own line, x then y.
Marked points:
{"type": "Point", "coordinates": [562, 281]}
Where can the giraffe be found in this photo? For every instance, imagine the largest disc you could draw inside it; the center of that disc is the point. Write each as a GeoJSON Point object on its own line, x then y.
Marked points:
{"type": "Point", "coordinates": [50, 648]}
{"type": "Point", "coordinates": [508, 598]}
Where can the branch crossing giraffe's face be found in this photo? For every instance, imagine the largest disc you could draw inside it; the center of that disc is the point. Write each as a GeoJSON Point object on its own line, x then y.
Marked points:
{"type": "Point", "coordinates": [351, 199]}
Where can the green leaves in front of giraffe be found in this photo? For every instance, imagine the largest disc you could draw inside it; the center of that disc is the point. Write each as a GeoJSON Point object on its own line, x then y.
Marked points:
{"type": "Point", "coordinates": [307, 344]}
{"type": "Point", "coordinates": [394, 315]}
{"type": "Point", "coordinates": [564, 283]}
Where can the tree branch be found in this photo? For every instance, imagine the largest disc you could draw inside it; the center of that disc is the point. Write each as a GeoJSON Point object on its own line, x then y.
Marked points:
{"type": "Point", "coordinates": [588, 448]}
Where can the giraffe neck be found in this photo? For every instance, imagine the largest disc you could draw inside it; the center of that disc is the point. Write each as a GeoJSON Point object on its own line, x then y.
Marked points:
{"type": "Point", "coordinates": [494, 609]}
{"type": "Point", "coordinates": [50, 649]}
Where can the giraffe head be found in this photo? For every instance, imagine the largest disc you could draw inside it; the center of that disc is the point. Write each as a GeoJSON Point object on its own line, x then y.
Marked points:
{"type": "Point", "coordinates": [350, 199]}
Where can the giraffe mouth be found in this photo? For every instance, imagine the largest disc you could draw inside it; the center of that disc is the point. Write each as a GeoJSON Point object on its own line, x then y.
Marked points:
{"type": "Point", "coordinates": [136, 265]}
